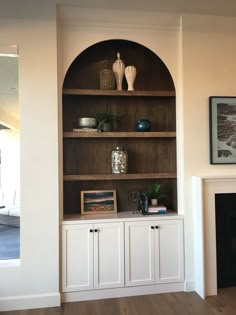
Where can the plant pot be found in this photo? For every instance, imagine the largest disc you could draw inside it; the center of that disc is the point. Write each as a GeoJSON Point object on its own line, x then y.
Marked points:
{"type": "Point", "coordinates": [106, 126]}
{"type": "Point", "coordinates": [154, 202]}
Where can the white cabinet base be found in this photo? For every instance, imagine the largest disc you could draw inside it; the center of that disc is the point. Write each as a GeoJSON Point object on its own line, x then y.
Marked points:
{"type": "Point", "coordinates": [159, 239]}
{"type": "Point", "coordinates": [122, 292]}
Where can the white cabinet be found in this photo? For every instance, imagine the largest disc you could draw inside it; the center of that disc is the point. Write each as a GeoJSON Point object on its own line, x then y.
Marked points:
{"type": "Point", "coordinates": [77, 257]}
{"type": "Point", "coordinates": [121, 257]}
{"type": "Point", "coordinates": [108, 255]}
{"type": "Point", "coordinates": [154, 252]}
{"type": "Point", "coordinates": [139, 253]}
{"type": "Point", "coordinates": [93, 256]}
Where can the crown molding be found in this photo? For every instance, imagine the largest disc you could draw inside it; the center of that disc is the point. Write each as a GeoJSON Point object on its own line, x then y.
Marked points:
{"type": "Point", "coordinates": [74, 16]}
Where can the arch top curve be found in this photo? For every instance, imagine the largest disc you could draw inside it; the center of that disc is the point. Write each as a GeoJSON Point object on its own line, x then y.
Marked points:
{"type": "Point", "coordinates": [152, 73]}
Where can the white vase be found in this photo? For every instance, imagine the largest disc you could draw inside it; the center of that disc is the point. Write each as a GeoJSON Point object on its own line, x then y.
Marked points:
{"type": "Point", "coordinates": [119, 70]}
{"type": "Point", "coordinates": [130, 75]}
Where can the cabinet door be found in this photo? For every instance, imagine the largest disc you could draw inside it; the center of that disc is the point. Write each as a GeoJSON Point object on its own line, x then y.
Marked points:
{"type": "Point", "coordinates": [77, 253]}
{"type": "Point", "coordinates": [169, 262]}
{"type": "Point", "coordinates": [108, 255]}
{"type": "Point", "coordinates": [139, 253]}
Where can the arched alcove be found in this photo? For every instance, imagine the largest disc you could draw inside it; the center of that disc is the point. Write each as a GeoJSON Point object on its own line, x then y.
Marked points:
{"type": "Point", "coordinates": [152, 73]}
{"type": "Point", "coordinates": [87, 155]}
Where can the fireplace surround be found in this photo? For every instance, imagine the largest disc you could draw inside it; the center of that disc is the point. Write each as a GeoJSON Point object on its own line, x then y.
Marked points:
{"type": "Point", "coordinates": [204, 192]}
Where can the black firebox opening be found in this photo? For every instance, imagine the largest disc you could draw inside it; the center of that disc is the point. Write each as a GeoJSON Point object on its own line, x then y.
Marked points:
{"type": "Point", "coordinates": [225, 205]}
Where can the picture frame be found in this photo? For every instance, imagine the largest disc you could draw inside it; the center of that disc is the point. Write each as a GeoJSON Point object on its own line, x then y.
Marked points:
{"type": "Point", "coordinates": [98, 202]}
{"type": "Point", "coordinates": [222, 115]}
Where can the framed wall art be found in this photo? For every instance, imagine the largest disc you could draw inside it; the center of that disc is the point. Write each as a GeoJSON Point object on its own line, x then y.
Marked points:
{"type": "Point", "coordinates": [98, 202]}
{"type": "Point", "coordinates": [222, 112]}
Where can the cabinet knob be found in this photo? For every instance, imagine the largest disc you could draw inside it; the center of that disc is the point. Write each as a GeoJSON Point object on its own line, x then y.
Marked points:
{"type": "Point", "coordinates": [157, 227]}
{"type": "Point", "coordinates": [152, 227]}
{"type": "Point", "coordinates": [96, 230]}
{"type": "Point", "coordinates": [91, 231]}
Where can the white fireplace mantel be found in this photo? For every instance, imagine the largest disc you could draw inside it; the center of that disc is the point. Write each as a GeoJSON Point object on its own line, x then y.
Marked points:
{"type": "Point", "coordinates": [204, 189]}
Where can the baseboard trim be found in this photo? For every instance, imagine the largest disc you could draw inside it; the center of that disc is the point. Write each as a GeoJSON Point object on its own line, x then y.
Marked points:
{"type": "Point", "coordinates": [189, 286]}
{"type": "Point", "coordinates": [121, 292]}
{"type": "Point", "coordinates": [22, 302]}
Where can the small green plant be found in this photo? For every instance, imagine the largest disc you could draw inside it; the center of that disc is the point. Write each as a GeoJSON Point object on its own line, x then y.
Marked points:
{"type": "Point", "coordinates": [154, 192]}
{"type": "Point", "coordinates": [107, 117]}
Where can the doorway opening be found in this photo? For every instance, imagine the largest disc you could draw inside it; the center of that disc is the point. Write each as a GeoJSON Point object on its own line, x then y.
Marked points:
{"type": "Point", "coordinates": [9, 154]}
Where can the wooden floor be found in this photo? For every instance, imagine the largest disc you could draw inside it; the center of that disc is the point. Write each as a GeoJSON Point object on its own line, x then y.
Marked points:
{"type": "Point", "coordinates": [159, 304]}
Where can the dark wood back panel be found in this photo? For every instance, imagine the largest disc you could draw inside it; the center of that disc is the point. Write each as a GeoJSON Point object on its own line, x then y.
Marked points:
{"type": "Point", "coordinates": [72, 191]}
{"type": "Point", "coordinates": [152, 73]}
{"type": "Point", "coordinates": [93, 155]}
{"type": "Point", "coordinates": [160, 111]}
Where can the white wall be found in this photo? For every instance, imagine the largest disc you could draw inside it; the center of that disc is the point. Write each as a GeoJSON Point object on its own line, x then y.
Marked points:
{"type": "Point", "coordinates": [199, 52]}
{"type": "Point", "coordinates": [209, 45]}
{"type": "Point", "coordinates": [201, 61]}
{"type": "Point", "coordinates": [35, 282]}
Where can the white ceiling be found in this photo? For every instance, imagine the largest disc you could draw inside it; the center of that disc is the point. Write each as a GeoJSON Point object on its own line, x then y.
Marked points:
{"type": "Point", "coordinates": [212, 7]}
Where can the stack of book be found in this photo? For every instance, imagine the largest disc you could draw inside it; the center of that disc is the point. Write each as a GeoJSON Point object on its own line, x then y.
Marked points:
{"type": "Point", "coordinates": [157, 209]}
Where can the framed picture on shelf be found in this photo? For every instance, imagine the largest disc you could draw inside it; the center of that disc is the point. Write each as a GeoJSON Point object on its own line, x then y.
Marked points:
{"type": "Point", "coordinates": [222, 114]}
{"type": "Point", "coordinates": [98, 202]}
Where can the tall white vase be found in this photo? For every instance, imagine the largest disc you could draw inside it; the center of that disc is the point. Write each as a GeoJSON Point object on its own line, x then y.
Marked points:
{"type": "Point", "coordinates": [130, 75]}
{"type": "Point", "coordinates": [119, 70]}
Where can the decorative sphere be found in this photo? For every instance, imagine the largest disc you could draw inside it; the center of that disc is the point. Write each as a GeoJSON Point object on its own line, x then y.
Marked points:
{"type": "Point", "coordinates": [143, 125]}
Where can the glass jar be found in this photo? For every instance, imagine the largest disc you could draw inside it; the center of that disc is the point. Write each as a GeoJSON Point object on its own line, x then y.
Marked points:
{"type": "Point", "coordinates": [119, 161]}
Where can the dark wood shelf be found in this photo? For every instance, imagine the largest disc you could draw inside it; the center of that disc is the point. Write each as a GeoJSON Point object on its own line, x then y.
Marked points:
{"type": "Point", "coordinates": [119, 176]}
{"type": "Point", "coordinates": [95, 134]}
{"type": "Point", "coordinates": [91, 92]}
{"type": "Point", "coordinates": [87, 154]}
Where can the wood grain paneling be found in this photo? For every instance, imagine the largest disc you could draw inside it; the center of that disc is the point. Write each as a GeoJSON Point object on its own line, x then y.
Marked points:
{"type": "Point", "coordinates": [152, 73]}
{"type": "Point", "coordinates": [151, 155]}
{"type": "Point", "coordinates": [93, 156]}
{"type": "Point", "coordinates": [123, 188]}
{"type": "Point", "coordinates": [160, 111]}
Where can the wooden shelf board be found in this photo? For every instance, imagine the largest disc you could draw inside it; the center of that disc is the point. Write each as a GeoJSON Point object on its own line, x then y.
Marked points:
{"type": "Point", "coordinates": [92, 92]}
{"type": "Point", "coordinates": [95, 134]}
{"type": "Point", "coordinates": [120, 214]}
{"type": "Point", "coordinates": [119, 176]}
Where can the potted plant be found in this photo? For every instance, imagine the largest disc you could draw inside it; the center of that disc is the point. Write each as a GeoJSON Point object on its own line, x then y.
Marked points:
{"type": "Point", "coordinates": [154, 193]}
{"type": "Point", "coordinates": [107, 121]}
